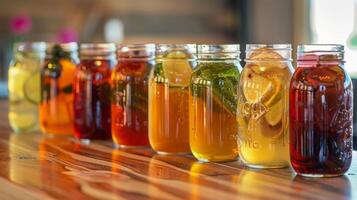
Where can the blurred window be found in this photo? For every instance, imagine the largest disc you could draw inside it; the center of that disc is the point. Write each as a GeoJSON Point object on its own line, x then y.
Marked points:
{"type": "Point", "coordinates": [333, 22]}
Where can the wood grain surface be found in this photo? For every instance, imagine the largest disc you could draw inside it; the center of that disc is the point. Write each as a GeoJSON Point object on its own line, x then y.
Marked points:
{"type": "Point", "coordinates": [36, 167]}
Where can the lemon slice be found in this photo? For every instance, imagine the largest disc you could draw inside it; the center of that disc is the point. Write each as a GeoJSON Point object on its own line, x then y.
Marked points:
{"type": "Point", "coordinates": [275, 114]}
{"type": "Point", "coordinates": [256, 88]}
{"type": "Point", "coordinates": [276, 94]}
{"type": "Point", "coordinates": [262, 128]}
{"type": "Point", "coordinates": [32, 88]}
{"type": "Point", "coordinates": [177, 68]}
{"type": "Point", "coordinates": [265, 53]}
{"type": "Point", "coordinates": [23, 121]}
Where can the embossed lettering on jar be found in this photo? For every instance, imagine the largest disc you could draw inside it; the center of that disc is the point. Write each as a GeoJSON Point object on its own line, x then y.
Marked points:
{"type": "Point", "coordinates": [263, 106]}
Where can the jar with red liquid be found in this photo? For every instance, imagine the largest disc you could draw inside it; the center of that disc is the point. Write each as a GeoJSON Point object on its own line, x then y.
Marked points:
{"type": "Point", "coordinates": [92, 118]}
{"type": "Point", "coordinates": [321, 100]}
{"type": "Point", "coordinates": [129, 86]}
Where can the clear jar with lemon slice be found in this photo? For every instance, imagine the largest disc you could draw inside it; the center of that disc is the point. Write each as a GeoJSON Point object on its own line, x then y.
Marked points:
{"type": "Point", "coordinates": [168, 98]}
{"type": "Point", "coordinates": [24, 85]}
{"type": "Point", "coordinates": [263, 106]}
{"type": "Point", "coordinates": [213, 103]}
{"type": "Point", "coordinates": [56, 108]}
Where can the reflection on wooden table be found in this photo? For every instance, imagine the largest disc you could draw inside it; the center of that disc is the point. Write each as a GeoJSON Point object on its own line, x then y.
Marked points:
{"type": "Point", "coordinates": [37, 167]}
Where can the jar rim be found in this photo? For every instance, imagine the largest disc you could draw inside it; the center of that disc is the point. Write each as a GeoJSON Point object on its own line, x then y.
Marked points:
{"type": "Point", "coordinates": [135, 51]}
{"type": "Point", "coordinates": [98, 46]}
{"type": "Point", "coordinates": [164, 47]}
{"type": "Point", "coordinates": [68, 47]}
{"type": "Point", "coordinates": [97, 50]}
{"type": "Point", "coordinates": [143, 45]}
{"type": "Point", "coordinates": [311, 48]}
{"type": "Point", "coordinates": [218, 48]}
{"type": "Point", "coordinates": [251, 47]}
{"type": "Point", "coordinates": [278, 52]}
{"type": "Point", "coordinates": [30, 46]}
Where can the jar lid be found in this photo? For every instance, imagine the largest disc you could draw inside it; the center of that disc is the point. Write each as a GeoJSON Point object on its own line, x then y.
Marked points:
{"type": "Point", "coordinates": [218, 51]}
{"type": "Point", "coordinates": [136, 51]}
{"type": "Point", "coordinates": [268, 52]}
{"type": "Point", "coordinates": [97, 49]}
{"type": "Point", "coordinates": [30, 46]}
{"type": "Point", "coordinates": [320, 52]}
{"type": "Point", "coordinates": [163, 49]}
{"type": "Point", "coordinates": [67, 47]}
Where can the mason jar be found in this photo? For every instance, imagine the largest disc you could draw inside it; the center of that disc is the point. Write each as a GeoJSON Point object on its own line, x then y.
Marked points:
{"type": "Point", "coordinates": [129, 87]}
{"type": "Point", "coordinates": [168, 98]}
{"type": "Point", "coordinates": [24, 85]}
{"type": "Point", "coordinates": [213, 103]}
{"type": "Point", "coordinates": [92, 105]}
{"type": "Point", "coordinates": [56, 112]}
{"type": "Point", "coordinates": [321, 109]}
{"type": "Point", "coordinates": [263, 106]}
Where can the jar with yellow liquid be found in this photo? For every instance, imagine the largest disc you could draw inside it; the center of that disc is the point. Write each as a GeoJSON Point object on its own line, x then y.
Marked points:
{"type": "Point", "coordinates": [24, 85]}
{"type": "Point", "coordinates": [263, 106]}
{"type": "Point", "coordinates": [169, 84]}
{"type": "Point", "coordinates": [213, 103]}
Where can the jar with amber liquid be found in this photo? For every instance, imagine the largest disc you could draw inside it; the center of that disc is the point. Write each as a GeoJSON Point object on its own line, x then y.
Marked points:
{"type": "Point", "coordinates": [213, 103]}
{"type": "Point", "coordinates": [168, 98]}
{"type": "Point", "coordinates": [92, 105]}
{"type": "Point", "coordinates": [56, 108]}
{"type": "Point", "coordinates": [321, 109]}
{"type": "Point", "coordinates": [263, 105]}
{"type": "Point", "coordinates": [129, 88]}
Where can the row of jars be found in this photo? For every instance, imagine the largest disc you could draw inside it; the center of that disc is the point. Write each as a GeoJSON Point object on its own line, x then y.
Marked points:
{"type": "Point", "coordinates": [195, 99]}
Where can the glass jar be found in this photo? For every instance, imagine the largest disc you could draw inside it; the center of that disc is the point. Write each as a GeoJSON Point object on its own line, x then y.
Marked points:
{"type": "Point", "coordinates": [263, 106]}
{"type": "Point", "coordinates": [129, 86]}
{"type": "Point", "coordinates": [168, 98]}
{"type": "Point", "coordinates": [24, 85]}
{"type": "Point", "coordinates": [56, 113]}
{"type": "Point", "coordinates": [321, 101]}
{"type": "Point", "coordinates": [92, 91]}
{"type": "Point", "coordinates": [213, 103]}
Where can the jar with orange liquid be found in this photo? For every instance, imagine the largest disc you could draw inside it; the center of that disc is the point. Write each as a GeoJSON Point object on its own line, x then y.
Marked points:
{"type": "Point", "coordinates": [56, 108]}
{"type": "Point", "coordinates": [168, 98]}
{"type": "Point", "coordinates": [213, 103]}
{"type": "Point", "coordinates": [129, 88]}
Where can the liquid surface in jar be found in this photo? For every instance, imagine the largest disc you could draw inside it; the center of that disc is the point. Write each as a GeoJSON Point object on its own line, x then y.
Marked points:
{"type": "Point", "coordinates": [321, 117]}
{"type": "Point", "coordinates": [168, 103]}
{"type": "Point", "coordinates": [213, 105]}
{"type": "Point", "coordinates": [263, 110]}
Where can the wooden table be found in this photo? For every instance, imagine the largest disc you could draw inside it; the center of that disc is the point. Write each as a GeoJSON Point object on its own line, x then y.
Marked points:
{"type": "Point", "coordinates": [37, 167]}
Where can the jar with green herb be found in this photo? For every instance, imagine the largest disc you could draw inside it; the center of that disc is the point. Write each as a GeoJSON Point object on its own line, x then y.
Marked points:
{"type": "Point", "coordinates": [213, 103]}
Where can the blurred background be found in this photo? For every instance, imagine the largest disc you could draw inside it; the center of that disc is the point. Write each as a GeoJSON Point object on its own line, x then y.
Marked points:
{"type": "Point", "coordinates": [178, 21]}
